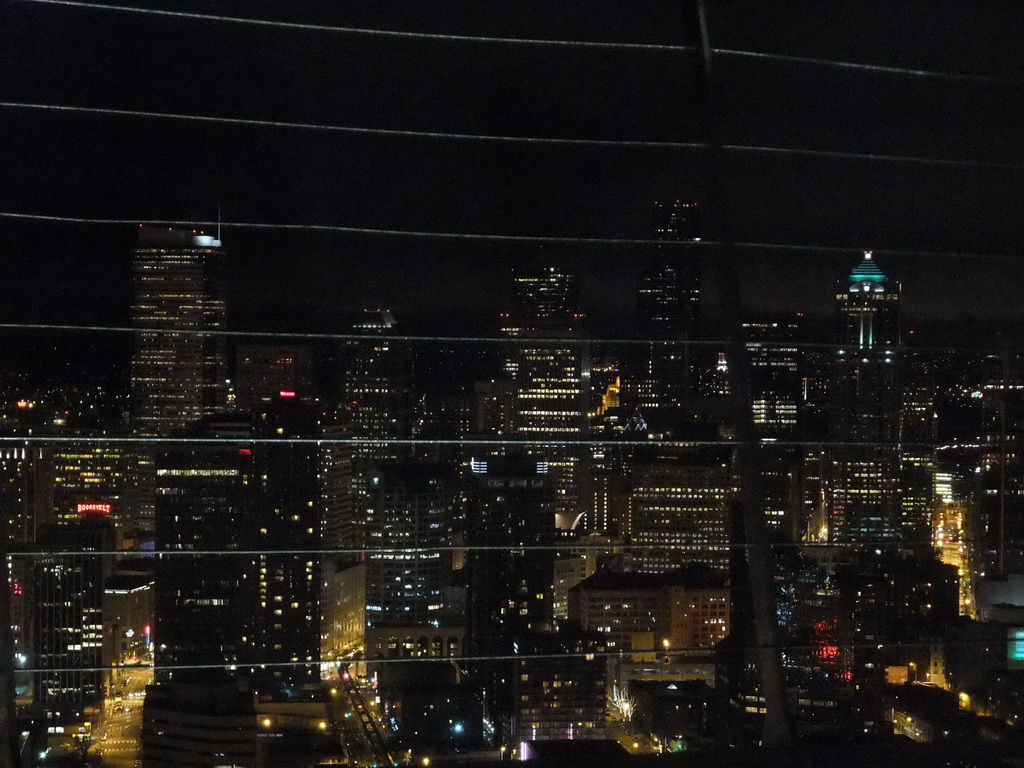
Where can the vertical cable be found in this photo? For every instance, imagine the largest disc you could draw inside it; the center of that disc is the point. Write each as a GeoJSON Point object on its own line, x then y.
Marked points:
{"type": "Point", "coordinates": [776, 729]}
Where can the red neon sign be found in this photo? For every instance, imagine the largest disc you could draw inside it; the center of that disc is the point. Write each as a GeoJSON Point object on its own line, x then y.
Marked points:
{"type": "Point", "coordinates": [92, 508]}
{"type": "Point", "coordinates": [286, 393]}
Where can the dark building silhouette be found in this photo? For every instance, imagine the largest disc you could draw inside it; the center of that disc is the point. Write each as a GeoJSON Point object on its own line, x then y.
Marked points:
{"type": "Point", "coordinates": [668, 303]}
{"type": "Point", "coordinates": [204, 603]}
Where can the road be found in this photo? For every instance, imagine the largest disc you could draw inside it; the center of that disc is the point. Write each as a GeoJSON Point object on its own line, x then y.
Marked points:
{"type": "Point", "coordinates": [354, 714]}
{"type": "Point", "coordinates": [117, 737]}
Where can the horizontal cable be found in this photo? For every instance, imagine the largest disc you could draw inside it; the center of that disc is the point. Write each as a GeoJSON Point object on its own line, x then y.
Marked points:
{"type": "Point", "coordinates": [239, 440]}
{"type": "Point", "coordinates": [653, 47]}
{"type": "Point", "coordinates": [585, 655]}
{"type": "Point", "coordinates": [374, 337]}
{"type": "Point", "coordinates": [504, 340]}
{"type": "Point", "coordinates": [370, 32]}
{"type": "Point", "coordinates": [609, 143]}
{"type": "Point", "coordinates": [874, 157]}
{"type": "Point", "coordinates": [880, 69]}
{"type": "Point", "coordinates": [568, 547]}
{"type": "Point", "coordinates": [354, 130]}
{"type": "Point", "coordinates": [540, 239]}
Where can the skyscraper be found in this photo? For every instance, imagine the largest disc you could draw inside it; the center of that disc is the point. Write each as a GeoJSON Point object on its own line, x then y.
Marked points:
{"type": "Point", "coordinates": [679, 509]}
{"type": "Point", "coordinates": [552, 379]}
{"type": "Point", "coordinates": [411, 508]}
{"type": "Point", "coordinates": [865, 493]}
{"type": "Point", "coordinates": [178, 373]}
{"type": "Point", "coordinates": [204, 603]}
{"type": "Point", "coordinates": [669, 294]}
{"type": "Point", "coordinates": [68, 614]}
{"type": "Point", "coordinates": [668, 301]}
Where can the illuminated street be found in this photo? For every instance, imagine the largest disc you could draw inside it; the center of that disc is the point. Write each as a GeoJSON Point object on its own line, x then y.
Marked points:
{"type": "Point", "coordinates": [117, 737]}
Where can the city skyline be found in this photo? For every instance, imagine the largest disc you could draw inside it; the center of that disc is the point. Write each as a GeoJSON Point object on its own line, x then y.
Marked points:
{"type": "Point", "coordinates": [445, 386]}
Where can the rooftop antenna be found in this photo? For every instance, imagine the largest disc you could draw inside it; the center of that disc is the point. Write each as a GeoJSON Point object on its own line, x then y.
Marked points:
{"type": "Point", "coordinates": [218, 221]}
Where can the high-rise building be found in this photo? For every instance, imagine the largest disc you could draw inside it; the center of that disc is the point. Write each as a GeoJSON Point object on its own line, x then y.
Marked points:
{"type": "Point", "coordinates": [260, 607]}
{"type": "Point", "coordinates": [997, 531]}
{"type": "Point", "coordinates": [510, 505]}
{"type": "Point", "coordinates": [68, 614]}
{"type": "Point", "coordinates": [552, 379]}
{"type": "Point", "coordinates": [179, 373]}
{"type": "Point", "coordinates": [377, 386]}
{"type": "Point", "coordinates": [668, 301]}
{"type": "Point", "coordinates": [864, 483]}
{"type": "Point", "coordinates": [86, 479]}
{"type": "Point", "coordinates": [204, 603]}
{"type": "Point", "coordinates": [268, 373]}
{"type": "Point", "coordinates": [560, 688]}
{"type": "Point", "coordinates": [192, 723]}
{"type": "Point", "coordinates": [669, 294]}
{"type": "Point", "coordinates": [775, 376]}
{"type": "Point", "coordinates": [411, 508]}
{"type": "Point", "coordinates": [283, 500]}
{"type": "Point", "coordinates": [679, 510]}
{"type": "Point", "coordinates": [775, 394]}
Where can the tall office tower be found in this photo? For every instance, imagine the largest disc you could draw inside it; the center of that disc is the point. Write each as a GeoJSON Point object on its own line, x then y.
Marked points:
{"type": "Point", "coordinates": [342, 527]}
{"type": "Point", "coordinates": [268, 373]}
{"type": "Point", "coordinates": [204, 603]}
{"type": "Point", "coordinates": [668, 301]}
{"type": "Point", "coordinates": [998, 533]}
{"type": "Point", "coordinates": [68, 614]}
{"type": "Point", "coordinates": [376, 401]}
{"type": "Point", "coordinates": [775, 390]}
{"type": "Point", "coordinates": [511, 504]}
{"type": "Point", "coordinates": [18, 489]}
{"type": "Point", "coordinates": [552, 380]}
{"type": "Point", "coordinates": [918, 433]}
{"type": "Point", "coordinates": [178, 373]}
{"type": "Point", "coordinates": [679, 509]}
{"type": "Point", "coordinates": [411, 509]}
{"type": "Point", "coordinates": [257, 608]}
{"type": "Point", "coordinates": [775, 376]}
{"type": "Point", "coordinates": [284, 502]}
{"type": "Point", "coordinates": [864, 483]}
{"type": "Point", "coordinates": [510, 511]}
{"type": "Point", "coordinates": [494, 404]}
{"type": "Point", "coordinates": [377, 385]}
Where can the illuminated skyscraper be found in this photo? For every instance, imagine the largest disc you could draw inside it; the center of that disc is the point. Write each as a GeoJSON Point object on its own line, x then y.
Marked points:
{"type": "Point", "coordinates": [377, 387]}
{"type": "Point", "coordinates": [68, 614]}
{"type": "Point", "coordinates": [679, 510]}
{"type": "Point", "coordinates": [178, 373]}
{"type": "Point", "coordinates": [775, 377]}
{"type": "Point", "coordinates": [865, 484]}
{"type": "Point", "coordinates": [552, 379]}
{"type": "Point", "coordinates": [408, 528]}
{"type": "Point", "coordinates": [775, 390]}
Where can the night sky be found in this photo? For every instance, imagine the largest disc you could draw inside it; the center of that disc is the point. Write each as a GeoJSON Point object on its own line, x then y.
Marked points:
{"type": "Point", "coordinates": [148, 169]}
